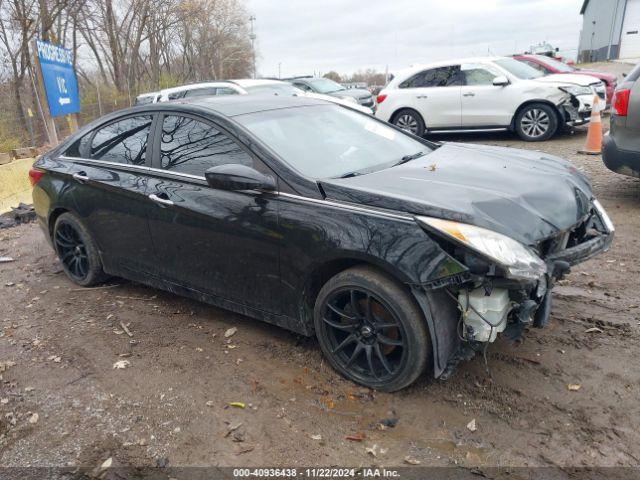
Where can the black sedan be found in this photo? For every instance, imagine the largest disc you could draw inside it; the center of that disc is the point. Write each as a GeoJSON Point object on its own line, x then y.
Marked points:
{"type": "Point", "coordinates": [400, 255]}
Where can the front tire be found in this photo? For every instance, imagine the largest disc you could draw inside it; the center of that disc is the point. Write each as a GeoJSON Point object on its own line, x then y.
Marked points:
{"type": "Point", "coordinates": [410, 121]}
{"type": "Point", "coordinates": [536, 122]}
{"type": "Point", "coordinates": [77, 251]}
{"type": "Point", "coordinates": [370, 329]}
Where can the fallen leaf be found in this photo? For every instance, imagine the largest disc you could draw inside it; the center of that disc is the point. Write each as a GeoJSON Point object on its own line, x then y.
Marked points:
{"type": "Point", "coordinates": [574, 387]}
{"type": "Point", "coordinates": [355, 438]}
{"type": "Point", "coordinates": [120, 364]}
{"type": "Point", "coordinates": [372, 450]}
{"type": "Point", "coordinates": [55, 358]}
{"type": "Point", "coordinates": [107, 463]}
{"type": "Point", "coordinates": [593, 330]}
{"type": "Point", "coordinates": [232, 427]}
{"type": "Point", "coordinates": [472, 425]}
{"type": "Point", "coordinates": [316, 437]}
{"type": "Point", "coordinates": [209, 403]}
{"type": "Point", "coordinates": [411, 460]}
{"type": "Point", "coordinates": [230, 332]}
{"type": "Point", "coordinates": [33, 419]}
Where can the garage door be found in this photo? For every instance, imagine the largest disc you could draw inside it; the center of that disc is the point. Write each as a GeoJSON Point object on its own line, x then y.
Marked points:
{"type": "Point", "coordinates": [630, 37]}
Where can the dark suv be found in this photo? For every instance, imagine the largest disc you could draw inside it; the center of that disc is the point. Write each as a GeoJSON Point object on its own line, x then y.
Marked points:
{"type": "Point", "coordinates": [621, 148]}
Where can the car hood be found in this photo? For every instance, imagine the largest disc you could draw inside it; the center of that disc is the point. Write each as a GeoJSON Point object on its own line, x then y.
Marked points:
{"type": "Point", "coordinates": [601, 75]}
{"type": "Point", "coordinates": [527, 195]}
{"type": "Point", "coordinates": [568, 79]}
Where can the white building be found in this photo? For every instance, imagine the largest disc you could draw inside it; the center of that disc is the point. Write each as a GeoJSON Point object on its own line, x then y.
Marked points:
{"type": "Point", "coordinates": [610, 30]}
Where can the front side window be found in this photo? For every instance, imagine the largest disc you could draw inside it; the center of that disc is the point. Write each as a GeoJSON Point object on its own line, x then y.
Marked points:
{"type": "Point", "coordinates": [325, 85]}
{"type": "Point", "coordinates": [434, 77]}
{"type": "Point", "coordinates": [226, 91]}
{"type": "Point", "coordinates": [192, 146]}
{"type": "Point", "coordinates": [323, 141]}
{"type": "Point", "coordinates": [124, 141]}
{"type": "Point", "coordinates": [537, 66]}
{"type": "Point", "coordinates": [476, 75]}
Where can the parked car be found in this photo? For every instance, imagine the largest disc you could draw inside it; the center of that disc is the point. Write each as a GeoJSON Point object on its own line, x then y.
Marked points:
{"type": "Point", "coordinates": [326, 86]}
{"type": "Point", "coordinates": [248, 87]}
{"type": "Point", "coordinates": [621, 145]}
{"type": "Point", "coordinates": [552, 66]}
{"type": "Point", "coordinates": [484, 94]}
{"type": "Point", "coordinates": [321, 220]}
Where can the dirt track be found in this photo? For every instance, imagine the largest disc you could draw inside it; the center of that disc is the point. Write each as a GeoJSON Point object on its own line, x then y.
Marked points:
{"type": "Point", "coordinates": [171, 403]}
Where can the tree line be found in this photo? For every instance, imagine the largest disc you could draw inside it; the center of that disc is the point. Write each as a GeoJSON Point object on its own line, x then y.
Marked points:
{"type": "Point", "coordinates": [124, 46]}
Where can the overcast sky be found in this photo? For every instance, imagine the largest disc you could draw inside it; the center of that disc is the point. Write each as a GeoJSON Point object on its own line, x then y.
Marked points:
{"type": "Point", "coordinates": [349, 35]}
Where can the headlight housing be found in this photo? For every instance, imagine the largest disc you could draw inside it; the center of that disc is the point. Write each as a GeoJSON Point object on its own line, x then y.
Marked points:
{"type": "Point", "coordinates": [519, 260]}
{"type": "Point", "coordinates": [577, 90]}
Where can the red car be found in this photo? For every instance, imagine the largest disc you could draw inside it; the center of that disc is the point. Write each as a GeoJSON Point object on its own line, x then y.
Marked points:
{"type": "Point", "coordinates": [549, 65]}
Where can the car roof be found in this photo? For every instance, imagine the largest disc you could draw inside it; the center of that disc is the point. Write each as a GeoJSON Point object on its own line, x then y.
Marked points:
{"type": "Point", "coordinates": [193, 86]}
{"type": "Point", "coordinates": [254, 82]}
{"type": "Point", "coordinates": [232, 105]}
{"type": "Point", "coordinates": [403, 74]}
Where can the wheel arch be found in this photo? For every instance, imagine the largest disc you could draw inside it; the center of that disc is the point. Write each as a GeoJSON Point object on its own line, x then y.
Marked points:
{"type": "Point", "coordinates": [53, 216]}
{"type": "Point", "coordinates": [559, 115]}
{"type": "Point", "coordinates": [323, 270]}
{"type": "Point", "coordinates": [399, 109]}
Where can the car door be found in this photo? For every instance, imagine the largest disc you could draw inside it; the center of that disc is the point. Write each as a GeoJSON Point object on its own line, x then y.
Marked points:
{"type": "Point", "coordinates": [108, 169]}
{"type": "Point", "coordinates": [219, 242]}
{"type": "Point", "coordinates": [483, 103]}
{"type": "Point", "coordinates": [435, 94]}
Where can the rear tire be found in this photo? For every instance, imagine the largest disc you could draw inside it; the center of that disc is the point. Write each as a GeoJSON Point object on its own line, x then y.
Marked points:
{"type": "Point", "coordinates": [410, 121]}
{"type": "Point", "coordinates": [536, 122]}
{"type": "Point", "coordinates": [77, 251]}
{"type": "Point", "coordinates": [371, 330]}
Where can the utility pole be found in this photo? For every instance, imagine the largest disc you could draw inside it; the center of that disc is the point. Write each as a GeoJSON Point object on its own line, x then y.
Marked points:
{"type": "Point", "coordinates": [252, 36]}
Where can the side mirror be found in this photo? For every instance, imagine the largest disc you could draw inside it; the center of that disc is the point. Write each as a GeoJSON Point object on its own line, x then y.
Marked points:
{"type": "Point", "coordinates": [234, 176]}
{"type": "Point", "coordinates": [501, 81]}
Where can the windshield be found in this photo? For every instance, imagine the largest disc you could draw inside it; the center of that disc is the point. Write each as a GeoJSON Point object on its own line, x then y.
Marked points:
{"type": "Point", "coordinates": [518, 69]}
{"type": "Point", "coordinates": [283, 89]}
{"type": "Point", "coordinates": [557, 64]}
{"type": "Point", "coordinates": [325, 85]}
{"type": "Point", "coordinates": [329, 141]}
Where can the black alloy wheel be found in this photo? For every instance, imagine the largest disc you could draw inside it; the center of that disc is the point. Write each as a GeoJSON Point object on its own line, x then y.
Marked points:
{"type": "Point", "coordinates": [370, 330]}
{"type": "Point", "coordinates": [77, 251]}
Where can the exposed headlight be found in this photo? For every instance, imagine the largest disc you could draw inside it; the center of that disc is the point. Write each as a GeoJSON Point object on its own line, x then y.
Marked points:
{"type": "Point", "coordinates": [519, 260]}
{"type": "Point", "coordinates": [576, 90]}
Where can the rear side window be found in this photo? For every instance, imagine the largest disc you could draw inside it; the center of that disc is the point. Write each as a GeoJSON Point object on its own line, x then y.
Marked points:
{"type": "Point", "coordinates": [201, 92]}
{"type": "Point", "coordinates": [226, 91]}
{"type": "Point", "coordinates": [79, 148]}
{"type": "Point", "coordinates": [434, 77]}
{"type": "Point", "coordinates": [124, 141]}
{"type": "Point", "coordinates": [191, 146]}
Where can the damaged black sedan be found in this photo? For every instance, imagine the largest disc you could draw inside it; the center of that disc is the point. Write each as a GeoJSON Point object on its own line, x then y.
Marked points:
{"type": "Point", "coordinates": [399, 254]}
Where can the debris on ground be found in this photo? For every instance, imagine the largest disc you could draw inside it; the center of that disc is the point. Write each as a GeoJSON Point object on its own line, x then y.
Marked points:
{"type": "Point", "coordinates": [471, 426]}
{"type": "Point", "coordinates": [237, 404]}
{"type": "Point", "coordinates": [574, 387]}
{"type": "Point", "coordinates": [411, 460]}
{"type": "Point", "coordinates": [6, 259]}
{"type": "Point", "coordinates": [316, 437]}
{"type": "Point", "coordinates": [121, 364]}
{"type": "Point", "coordinates": [387, 423]}
{"type": "Point", "coordinates": [230, 332]}
{"type": "Point", "coordinates": [33, 419]}
{"type": "Point", "coordinates": [126, 329]}
{"type": "Point", "coordinates": [593, 330]}
{"type": "Point", "coordinates": [4, 366]}
{"type": "Point", "coordinates": [358, 437]}
{"type": "Point", "coordinates": [232, 427]}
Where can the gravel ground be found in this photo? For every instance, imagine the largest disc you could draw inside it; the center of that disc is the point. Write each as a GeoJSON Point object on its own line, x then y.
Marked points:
{"type": "Point", "coordinates": [62, 402]}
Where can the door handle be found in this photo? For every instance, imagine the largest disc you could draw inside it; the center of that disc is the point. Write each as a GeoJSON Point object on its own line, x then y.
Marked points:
{"type": "Point", "coordinates": [422, 96]}
{"type": "Point", "coordinates": [163, 202]}
{"type": "Point", "coordinates": [81, 177]}
{"type": "Point", "coordinates": [469, 94]}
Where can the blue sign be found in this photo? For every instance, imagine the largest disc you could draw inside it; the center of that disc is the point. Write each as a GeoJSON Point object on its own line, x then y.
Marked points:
{"type": "Point", "coordinates": [60, 84]}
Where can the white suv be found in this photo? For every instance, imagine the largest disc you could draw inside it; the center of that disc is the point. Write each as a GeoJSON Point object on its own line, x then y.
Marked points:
{"type": "Point", "coordinates": [485, 94]}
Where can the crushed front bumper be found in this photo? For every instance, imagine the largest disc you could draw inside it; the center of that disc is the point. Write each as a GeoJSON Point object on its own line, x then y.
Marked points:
{"type": "Point", "coordinates": [577, 110]}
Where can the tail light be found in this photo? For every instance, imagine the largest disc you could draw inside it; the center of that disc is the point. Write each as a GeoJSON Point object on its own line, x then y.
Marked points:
{"type": "Point", "coordinates": [620, 102]}
{"type": "Point", "coordinates": [380, 98]}
{"type": "Point", "coordinates": [35, 176]}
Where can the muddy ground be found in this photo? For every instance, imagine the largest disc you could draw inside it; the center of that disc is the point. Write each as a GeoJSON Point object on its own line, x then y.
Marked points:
{"type": "Point", "coordinates": [62, 402]}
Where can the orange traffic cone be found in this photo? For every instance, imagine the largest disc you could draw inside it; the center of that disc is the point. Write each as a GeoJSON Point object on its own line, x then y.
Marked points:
{"type": "Point", "coordinates": [594, 134]}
